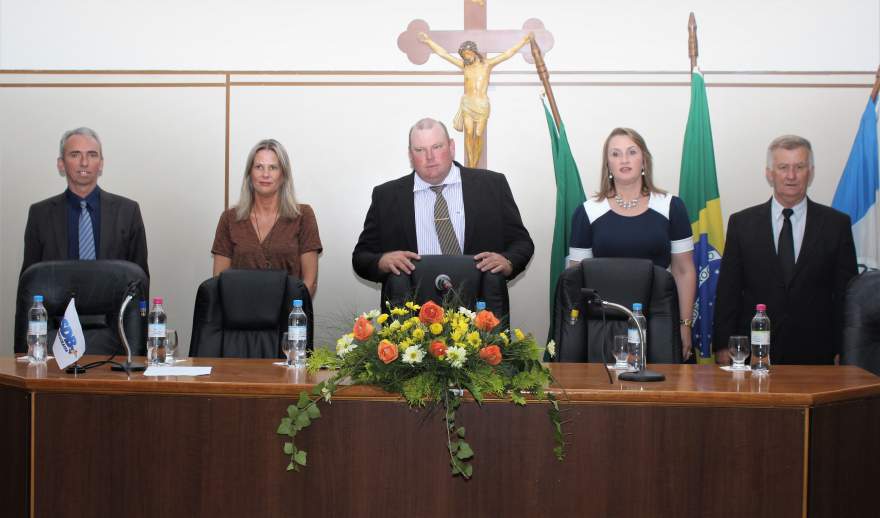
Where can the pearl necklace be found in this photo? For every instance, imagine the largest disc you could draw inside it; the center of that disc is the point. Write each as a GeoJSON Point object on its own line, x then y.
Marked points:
{"type": "Point", "coordinates": [624, 204]}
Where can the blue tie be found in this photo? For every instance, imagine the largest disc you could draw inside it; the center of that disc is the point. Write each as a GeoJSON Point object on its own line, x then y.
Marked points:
{"type": "Point", "coordinates": [86, 236]}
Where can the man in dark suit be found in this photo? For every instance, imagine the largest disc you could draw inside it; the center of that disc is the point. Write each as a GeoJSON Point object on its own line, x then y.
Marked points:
{"type": "Point", "coordinates": [84, 222]}
{"type": "Point", "coordinates": [477, 214]}
{"type": "Point", "coordinates": [792, 254]}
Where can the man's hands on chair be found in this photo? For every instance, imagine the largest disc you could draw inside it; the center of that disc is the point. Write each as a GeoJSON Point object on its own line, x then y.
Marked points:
{"type": "Point", "coordinates": [401, 261]}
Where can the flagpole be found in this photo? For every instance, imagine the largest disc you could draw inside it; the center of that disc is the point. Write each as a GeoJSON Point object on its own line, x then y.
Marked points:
{"type": "Point", "coordinates": [693, 52]}
{"type": "Point", "coordinates": [876, 85]}
{"type": "Point", "coordinates": [545, 79]}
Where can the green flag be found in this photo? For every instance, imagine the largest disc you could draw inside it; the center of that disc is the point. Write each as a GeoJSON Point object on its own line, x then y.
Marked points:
{"type": "Point", "coordinates": [698, 189]}
{"type": "Point", "coordinates": [569, 196]}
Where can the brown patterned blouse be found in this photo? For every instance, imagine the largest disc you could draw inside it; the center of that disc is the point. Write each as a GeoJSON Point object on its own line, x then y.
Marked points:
{"type": "Point", "coordinates": [281, 248]}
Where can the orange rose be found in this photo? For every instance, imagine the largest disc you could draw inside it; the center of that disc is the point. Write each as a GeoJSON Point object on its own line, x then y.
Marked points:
{"type": "Point", "coordinates": [363, 329]}
{"type": "Point", "coordinates": [437, 349]}
{"type": "Point", "coordinates": [431, 313]}
{"type": "Point", "coordinates": [486, 321]}
{"type": "Point", "coordinates": [387, 351]}
{"type": "Point", "coordinates": [491, 354]}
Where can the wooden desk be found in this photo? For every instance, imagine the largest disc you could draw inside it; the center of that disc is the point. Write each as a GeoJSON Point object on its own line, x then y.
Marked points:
{"type": "Point", "coordinates": [803, 442]}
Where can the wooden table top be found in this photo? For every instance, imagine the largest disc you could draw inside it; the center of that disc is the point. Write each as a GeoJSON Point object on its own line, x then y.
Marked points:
{"type": "Point", "coordinates": [787, 385]}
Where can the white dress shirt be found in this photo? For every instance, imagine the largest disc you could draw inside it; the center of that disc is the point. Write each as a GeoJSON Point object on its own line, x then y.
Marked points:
{"type": "Point", "coordinates": [798, 223]}
{"type": "Point", "coordinates": [423, 202]}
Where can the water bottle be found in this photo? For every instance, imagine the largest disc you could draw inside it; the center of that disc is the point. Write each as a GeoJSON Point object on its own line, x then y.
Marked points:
{"type": "Point", "coordinates": [760, 362]}
{"type": "Point", "coordinates": [155, 331]}
{"type": "Point", "coordinates": [297, 334]}
{"type": "Point", "coordinates": [636, 347]}
{"type": "Point", "coordinates": [142, 308]}
{"type": "Point", "coordinates": [37, 329]}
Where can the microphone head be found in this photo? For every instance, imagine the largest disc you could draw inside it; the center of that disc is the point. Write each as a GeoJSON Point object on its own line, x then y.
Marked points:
{"type": "Point", "coordinates": [443, 282]}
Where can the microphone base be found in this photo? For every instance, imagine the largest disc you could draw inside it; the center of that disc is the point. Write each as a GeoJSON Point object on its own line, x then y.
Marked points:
{"type": "Point", "coordinates": [643, 375]}
{"type": "Point", "coordinates": [132, 367]}
{"type": "Point", "coordinates": [75, 369]}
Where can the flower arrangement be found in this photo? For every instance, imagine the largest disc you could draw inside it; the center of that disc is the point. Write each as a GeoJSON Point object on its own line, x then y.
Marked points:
{"type": "Point", "coordinates": [430, 355]}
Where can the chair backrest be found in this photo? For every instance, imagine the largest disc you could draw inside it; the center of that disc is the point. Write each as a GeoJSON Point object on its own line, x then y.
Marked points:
{"type": "Point", "coordinates": [861, 323]}
{"type": "Point", "coordinates": [98, 287]}
{"type": "Point", "coordinates": [243, 313]}
{"type": "Point", "coordinates": [469, 285]}
{"type": "Point", "coordinates": [623, 281]}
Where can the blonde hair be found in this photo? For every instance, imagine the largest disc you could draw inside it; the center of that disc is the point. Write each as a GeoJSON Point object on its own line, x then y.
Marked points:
{"type": "Point", "coordinates": [287, 206]}
{"type": "Point", "coordinates": [606, 185]}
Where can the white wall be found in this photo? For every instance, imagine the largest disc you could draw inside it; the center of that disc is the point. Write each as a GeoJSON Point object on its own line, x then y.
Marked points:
{"type": "Point", "coordinates": [345, 122]}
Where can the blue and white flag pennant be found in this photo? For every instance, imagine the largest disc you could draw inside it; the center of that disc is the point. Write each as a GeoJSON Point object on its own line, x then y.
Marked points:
{"type": "Point", "coordinates": [70, 342]}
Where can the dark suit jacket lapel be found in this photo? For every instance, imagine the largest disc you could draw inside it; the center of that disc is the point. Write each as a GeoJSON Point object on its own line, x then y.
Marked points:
{"type": "Point", "coordinates": [407, 212]}
{"type": "Point", "coordinates": [109, 217]}
{"type": "Point", "coordinates": [58, 217]}
{"type": "Point", "coordinates": [812, 232]}
{"type": "Point", "coordinates": [470, 193]}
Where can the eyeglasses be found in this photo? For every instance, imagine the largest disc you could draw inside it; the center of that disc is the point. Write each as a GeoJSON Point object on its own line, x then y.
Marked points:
{"type": "Point", "coordinates": [801, 167]}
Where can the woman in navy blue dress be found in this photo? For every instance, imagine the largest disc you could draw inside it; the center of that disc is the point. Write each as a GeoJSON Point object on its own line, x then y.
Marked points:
{"type": "Point", "coordinates": [631, 217]}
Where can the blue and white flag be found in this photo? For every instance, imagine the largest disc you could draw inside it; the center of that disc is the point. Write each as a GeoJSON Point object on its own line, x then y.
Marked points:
{"type": "Point", "coordinates": [857, 192]}
{"type": "Point", "coordinates": [70, 343]}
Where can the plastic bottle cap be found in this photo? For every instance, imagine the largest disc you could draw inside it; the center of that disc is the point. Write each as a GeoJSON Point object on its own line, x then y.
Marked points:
{"type": "Point", "coordinates": [297, 303]}
{"type": "Point", "coordinates": [38, 298]}
{"type": "Point", "coordinates": [481, 305]}
{"type": "Point", "coordinates": [637, 306]}
{"type": "Point", "coordinates": [761, 307]}
{"type": "Point", "coordinates": [157, 300]}
{"type": "Point", "coordinates": [142, 303]}
{"type": "Point", "coordinates": [574, 313]}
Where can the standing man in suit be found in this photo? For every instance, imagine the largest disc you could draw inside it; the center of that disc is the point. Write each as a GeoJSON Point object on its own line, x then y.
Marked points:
{"type": "Point", "coordinates": [84, 222]}
{"type": "Point", "coordinates": [481, 216]}
{"type": "Point", "coordinates": [792, 254]}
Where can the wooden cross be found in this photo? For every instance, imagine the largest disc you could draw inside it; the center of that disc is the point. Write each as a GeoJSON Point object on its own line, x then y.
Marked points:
{"type": "Point", "coordinates": [474, 30]}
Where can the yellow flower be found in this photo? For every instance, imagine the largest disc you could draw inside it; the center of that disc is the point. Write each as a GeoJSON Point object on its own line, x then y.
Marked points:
{"type": "Point", "coordinates": [504, 338]}
{"type": "Point", "coordinates": [406, 325]}
{"type": "Point", "coordinates": [418, 334]}
{"type": "Point", "coordinates": [436, 328]}
{"type": "Point", "coordinates": [412, 306]}
{"type": "Point", "coordinates": [404, 344]}
{"type": "Point", "coordinates": [473, 339]}
{"type": "Point", "coordinates": [382, 318]}
{"type": "Point", "coordinates": [519, 334]}
{"type": "Point", "coordinates": [398, 311]}
{"type": "Point", "coordinates": [456, 335]}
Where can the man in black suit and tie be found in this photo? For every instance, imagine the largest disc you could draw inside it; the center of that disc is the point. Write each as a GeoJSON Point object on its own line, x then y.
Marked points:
{"type": "Point", "coordinates": [84, 222]}
{"type": "Point", "coordinates": [478, 214]}
{"type": "Point", "coordinates": [792, 254]}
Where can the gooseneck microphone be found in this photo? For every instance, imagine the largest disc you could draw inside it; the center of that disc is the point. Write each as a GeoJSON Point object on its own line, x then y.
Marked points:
{"type": "Point", "coordinates": [591, 296]}
{"type": "Point", "coordinates": [128, 366]}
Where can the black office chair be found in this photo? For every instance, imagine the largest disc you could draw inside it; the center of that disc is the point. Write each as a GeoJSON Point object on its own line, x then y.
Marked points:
{"type": "Point", "coordinates": [98, 287]}
{"type": "Point", "coordinates": [623, 281]}
{"type": "Point", "coordinates": [243, 313]}
{"type": "Point", "coordinates": [468, 285]}
{"type": "Point", "coordinates": [861, 323]}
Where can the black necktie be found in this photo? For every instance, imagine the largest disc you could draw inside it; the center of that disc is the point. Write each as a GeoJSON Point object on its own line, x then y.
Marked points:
{"type": "Point", "coordinates": [786, 247]}
{"type": "Point", "coordinates": [443, 225]}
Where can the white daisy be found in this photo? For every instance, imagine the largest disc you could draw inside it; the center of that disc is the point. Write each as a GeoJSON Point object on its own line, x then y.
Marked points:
{"type": "Point", "coordinates": [345, 345]}
{"type": "Point", "coordinates": [456, 356]}
{"type": "Point", "coordinates": [413, 354]}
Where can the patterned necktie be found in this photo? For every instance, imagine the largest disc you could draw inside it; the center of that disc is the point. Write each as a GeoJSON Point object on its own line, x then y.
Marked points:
{"type": "Point", "coordinates": [86, 236]}
{"type": "Point", "coordinates": [786, 247]}
{"type": "Point", "coordinates": [443, 225]}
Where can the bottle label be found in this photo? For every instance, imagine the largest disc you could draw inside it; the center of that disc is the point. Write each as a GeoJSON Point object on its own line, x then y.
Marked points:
{"type": "Point", "coordinates": [633, 336]}
{"type": "Point", "coordinates": [156, 331]}
{"type": "Point", "coordinates": [761, 337]}
{"type": "Point", "coordinates": [296, 332]}
{"type": "Point", "coordinates": [36, 327]}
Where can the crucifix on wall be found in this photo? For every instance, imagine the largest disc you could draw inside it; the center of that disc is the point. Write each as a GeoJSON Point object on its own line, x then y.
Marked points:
{"type": "Point", "coordinates": [418, 42]}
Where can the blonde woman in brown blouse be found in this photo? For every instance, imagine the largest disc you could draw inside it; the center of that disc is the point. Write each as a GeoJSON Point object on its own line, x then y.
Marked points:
{"type": "Point", "coordinates": [268, 229]}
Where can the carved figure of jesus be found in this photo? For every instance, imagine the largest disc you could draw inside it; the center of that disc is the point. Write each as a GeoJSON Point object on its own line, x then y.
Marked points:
{"type": "Point", "coordinates": [473, 111]}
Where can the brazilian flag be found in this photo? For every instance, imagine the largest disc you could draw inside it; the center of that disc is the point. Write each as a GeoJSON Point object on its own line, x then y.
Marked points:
{"type": "Point", "coordinates": [698, 188]}
{"type": "Point", "coordinates": [569, 196]}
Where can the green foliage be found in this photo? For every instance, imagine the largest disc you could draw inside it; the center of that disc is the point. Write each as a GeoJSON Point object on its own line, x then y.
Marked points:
{"type": "Point", "coordinates": [423, 375]}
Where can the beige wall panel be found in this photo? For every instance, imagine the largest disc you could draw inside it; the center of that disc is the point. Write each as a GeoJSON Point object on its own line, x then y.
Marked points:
{"type": "Point", "coordinates": [163, 147]}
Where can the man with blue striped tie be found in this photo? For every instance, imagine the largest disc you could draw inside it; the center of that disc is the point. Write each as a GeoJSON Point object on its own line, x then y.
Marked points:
{"type": "Point", "coordinates": [84, 222]}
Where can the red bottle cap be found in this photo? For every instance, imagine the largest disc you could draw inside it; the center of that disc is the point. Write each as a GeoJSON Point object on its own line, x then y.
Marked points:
{"type": "Point", "coordinates": [157, 300]}
{"type": "Point", "coordinates": [761, 307]}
